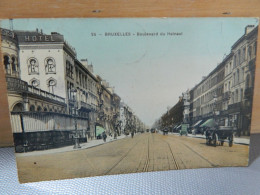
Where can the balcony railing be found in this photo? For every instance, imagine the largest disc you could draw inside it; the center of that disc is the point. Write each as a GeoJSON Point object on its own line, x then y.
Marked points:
{"type": "Point", "coordinates": [226, 95]}
{"type": "Point", "coordinates": [16, 84]}
{"type": "Point", "coordinates": [252, 64]}
{"type": "Point", "coordinates": [248, 92]}
{"type": "Point", "coordinates": [45, 94]}
{"type": "Point", "coordinates": [235, 107]}
{"type": "Point", "coordinates": [85, 105]}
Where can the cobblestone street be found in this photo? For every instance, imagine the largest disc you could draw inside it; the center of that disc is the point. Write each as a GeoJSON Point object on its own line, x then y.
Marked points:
{"type": "Point", "coordinates": [145, 152]}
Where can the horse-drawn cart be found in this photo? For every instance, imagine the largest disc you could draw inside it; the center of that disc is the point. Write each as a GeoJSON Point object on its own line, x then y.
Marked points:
{"type": "Point", "coordinates": [218, 134]}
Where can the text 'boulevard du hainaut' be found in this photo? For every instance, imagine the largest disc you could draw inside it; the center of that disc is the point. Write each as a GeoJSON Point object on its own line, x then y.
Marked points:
{"type": "Point", "coordinates": [138, 34]}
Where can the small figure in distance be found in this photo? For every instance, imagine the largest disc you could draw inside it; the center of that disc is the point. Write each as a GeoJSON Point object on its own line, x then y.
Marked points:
{"type": "Point", "coordinates": [132, 134]}
{"type": "Point", "coordinates": [104, 135]}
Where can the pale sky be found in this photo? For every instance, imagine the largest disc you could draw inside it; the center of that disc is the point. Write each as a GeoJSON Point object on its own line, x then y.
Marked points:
{"type": "Point", "coordinates": [148, 73]}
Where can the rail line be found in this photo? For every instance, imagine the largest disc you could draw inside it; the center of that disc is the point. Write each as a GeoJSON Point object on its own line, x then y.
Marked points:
{"type": "Point", "coordinates": [147, 161]}
{"type": "Point", "coordinates": [121, 159]}
{"type": "Point", "coordinates": [212, 164]}
{"type": "Point", "coordinates": [173, 157]}
{"type": "Point", "coordinates": [195, 152]}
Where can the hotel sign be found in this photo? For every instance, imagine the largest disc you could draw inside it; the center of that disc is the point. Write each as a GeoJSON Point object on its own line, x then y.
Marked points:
{"type": "Point", "coordinates": [39, 38]}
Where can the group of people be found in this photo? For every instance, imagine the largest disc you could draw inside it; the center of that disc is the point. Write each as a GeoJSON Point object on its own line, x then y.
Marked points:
{"type": "Point", "coordinates": [104, 135]}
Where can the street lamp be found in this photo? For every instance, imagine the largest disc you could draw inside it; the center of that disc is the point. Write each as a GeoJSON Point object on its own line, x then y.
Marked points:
{"type": "Point", "coordinates": [74, 95]}
{"type": "Point", "coordinates": [215, 106]}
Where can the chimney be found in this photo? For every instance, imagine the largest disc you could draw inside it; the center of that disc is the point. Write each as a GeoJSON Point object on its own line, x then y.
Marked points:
{"type": "Point", "coordinates": [249, 28]}
{"type": "Point", "coordinates": [84, 62]}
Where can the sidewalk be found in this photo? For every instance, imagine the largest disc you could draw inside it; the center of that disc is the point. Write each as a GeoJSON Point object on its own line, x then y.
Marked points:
{"type": "Point", "coordinates": [89, 144]}
{"type": "Point", "coordinates": [237, 140]}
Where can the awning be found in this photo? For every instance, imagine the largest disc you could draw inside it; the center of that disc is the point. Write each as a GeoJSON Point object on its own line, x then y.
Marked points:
{"type": "Point", "coordinates": [197, 123]}
{"type": "Point", "coordinates": [209, 123]}
{"type": "Point", "coordinates": [178, 127]}
{"type": "Point", "coordinates": [99, 130]}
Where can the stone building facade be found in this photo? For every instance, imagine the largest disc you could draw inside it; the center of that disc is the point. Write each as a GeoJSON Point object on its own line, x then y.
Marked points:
{"type": "Point", "coordinates": [227, 92]}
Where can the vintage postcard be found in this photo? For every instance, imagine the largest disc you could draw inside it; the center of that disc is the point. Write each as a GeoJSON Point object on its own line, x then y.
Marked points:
{"type": "Point", "coordinates": [93, 97]}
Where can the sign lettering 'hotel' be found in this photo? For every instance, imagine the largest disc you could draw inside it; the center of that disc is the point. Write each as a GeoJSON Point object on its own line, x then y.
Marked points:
{"type": "Point", "coordinates": [39, 38]}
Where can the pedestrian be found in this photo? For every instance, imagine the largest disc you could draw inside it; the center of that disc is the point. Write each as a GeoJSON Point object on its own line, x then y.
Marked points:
{"type": "Point", "coordinates": [104, 135]}
{"type": "Point", "coordinates": [132, 134]}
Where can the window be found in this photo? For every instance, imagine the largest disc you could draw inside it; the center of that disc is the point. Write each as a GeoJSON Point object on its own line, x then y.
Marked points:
{"type": "Point", "coordinates": [32, 108]}
{"type": "Point", "coordinates": [14, 68]}
{"type": "Point", "coordinates": [249, 53]}
{"type": "Point", "coordinates": [244, 54]}
{"type": "Point", "coordinates": [35, 83]}
{"type": "Point", "coordinates": [39, 109]}
{"type": "Point", "coordinates": [33, 66]}
{"type": "Point", "coordinates": [51, 84]}
{"type": "Point", "coordinates": [239, 57]}
{"type": "Point", "coordinates": [50, 66]}
{"type": "Point", "coordinates": [235, 61]}
{"type": "Point", "coordinates": [7, 65]}
{"type": "Point", "coordinates": [238, 76]}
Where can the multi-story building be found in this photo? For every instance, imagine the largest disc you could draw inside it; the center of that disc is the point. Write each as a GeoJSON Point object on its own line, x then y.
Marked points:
{"type": "Point", "coordinates": [48, 83]}
{"type": "Point", "coordinates": [49, 63]}
{"type": "Point", "coordinates": [227, 91]}
{"type": "Point", "coordinates": [241, 75]}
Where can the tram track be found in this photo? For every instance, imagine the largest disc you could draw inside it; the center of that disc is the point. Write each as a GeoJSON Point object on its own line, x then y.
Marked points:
{"type": "Point", "coordinates": [147, 160]}
{"type": "Point", "coordinates": [198, 154]}
{"type": "Point", "coordinates": [177, 167]}
{"type": "Point", "coordinates": [121, 158]}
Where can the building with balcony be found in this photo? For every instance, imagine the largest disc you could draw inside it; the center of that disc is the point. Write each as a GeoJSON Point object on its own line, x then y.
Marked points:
{"type": "Point", "coordinates": [239, 80]}
{"type": "Point", "coordinates": [228, 89]}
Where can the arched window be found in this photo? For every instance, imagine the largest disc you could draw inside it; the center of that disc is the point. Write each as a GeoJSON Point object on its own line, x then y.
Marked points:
{"type": "Point", "coordinates": [51, 83]}
{"type": "Point", "coordinates": [7, 65]}
{"type": "Point", "coordinates": [45, 109]}
{"type": "Point", "coordinates": [14, 68]}
{"type": "Point", "coordinates": [50, 66]}
{"type": "Point", "coordinates": [32, 108]}
{"type": "Point", "coordinates": [39, 109]}
{"type": "Point", "coordinates": [33, 66]}
{"type": "Point", "coordinates": [35, 82]}
{"type": "Point", "coordinates": [18, 107]}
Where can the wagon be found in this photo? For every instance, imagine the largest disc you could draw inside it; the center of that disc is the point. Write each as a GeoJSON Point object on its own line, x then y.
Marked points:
{"type": "Point", "coordinates": [218, 134]}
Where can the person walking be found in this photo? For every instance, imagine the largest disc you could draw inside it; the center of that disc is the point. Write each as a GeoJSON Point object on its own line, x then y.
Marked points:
{"type": "Point", "coordinates": [104, 135]}
{"type": "Point", "coordinates": [132, 134]}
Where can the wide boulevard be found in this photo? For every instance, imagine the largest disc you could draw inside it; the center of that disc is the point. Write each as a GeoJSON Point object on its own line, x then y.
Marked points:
{"type": "Point", "coordinates": [143, 153]}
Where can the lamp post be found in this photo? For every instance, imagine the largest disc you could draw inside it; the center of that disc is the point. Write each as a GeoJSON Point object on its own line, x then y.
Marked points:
{"type": "Point", "coordinates": [215, 107]}
{"type": "Point", "coordinates": [74, 95]}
